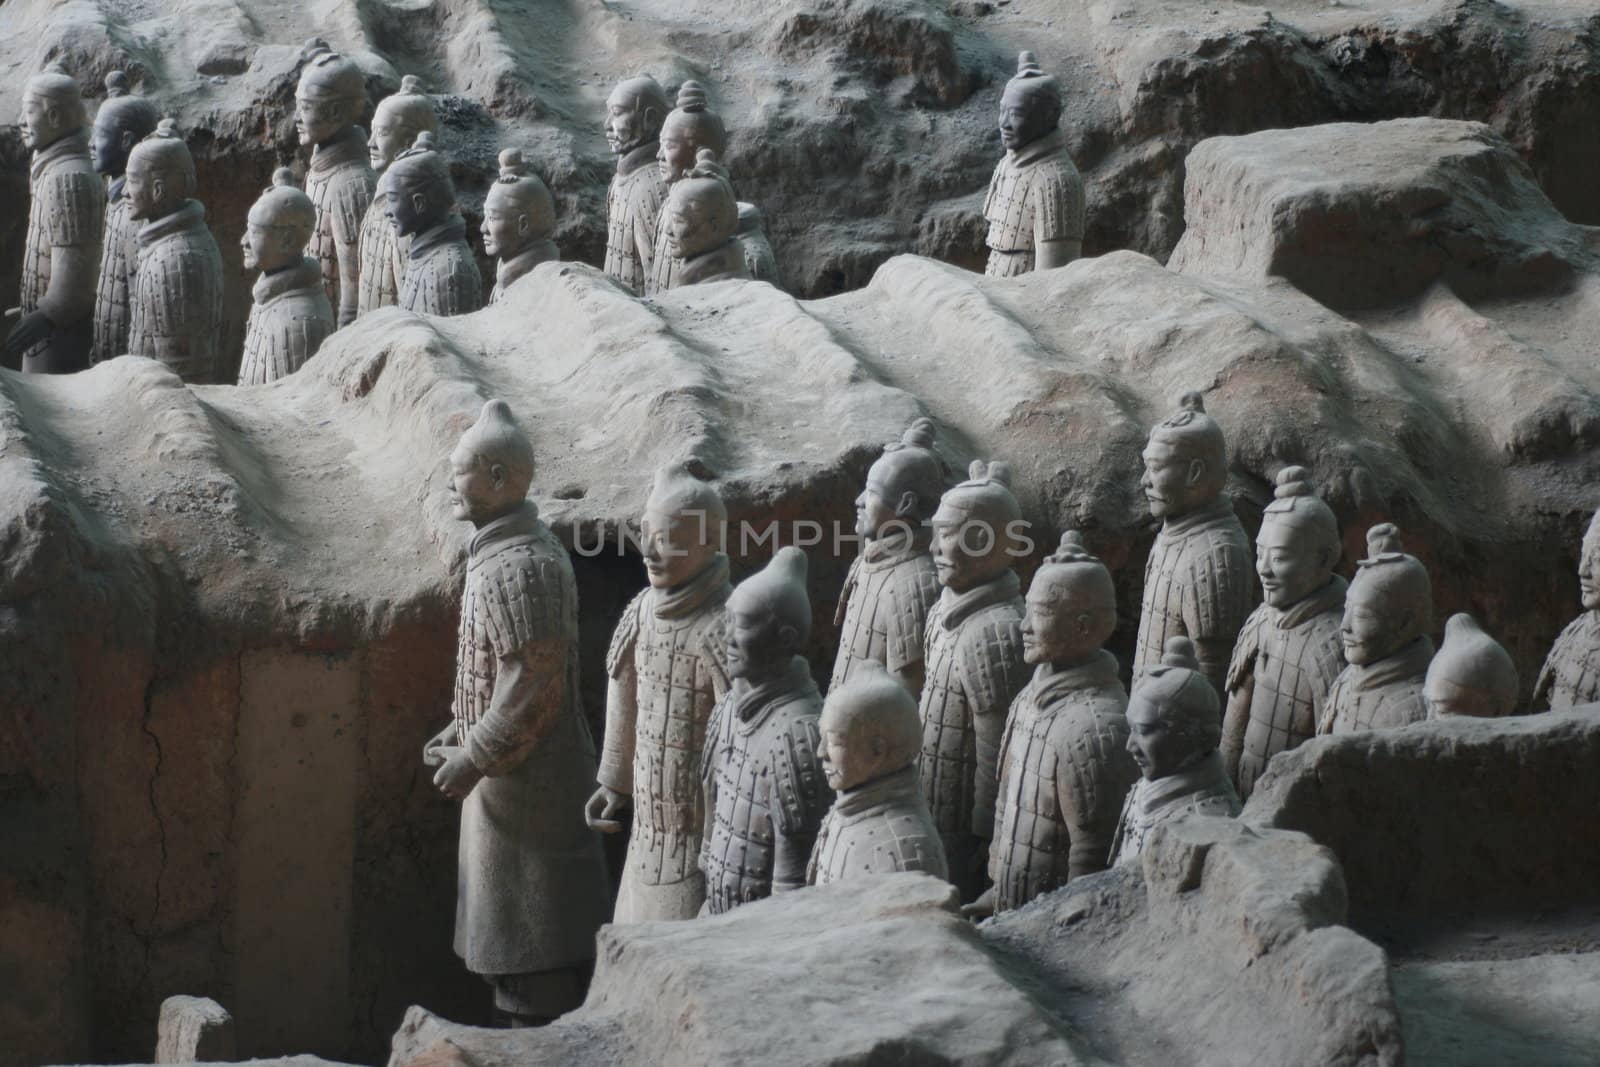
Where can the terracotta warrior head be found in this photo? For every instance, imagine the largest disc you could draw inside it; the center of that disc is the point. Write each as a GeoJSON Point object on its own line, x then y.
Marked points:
{"type": "Point", "coordinates": [160, 174]}
{"type": "Point", "coordinates": [1471, 674]}
{"type": "Point", "coordinates": [1071, 606]}
{"type": "Point", "coordinates": [518, 210]}
{"type": "Point", "coordinates": [701, 210]}
{"type": "Point", "coordinates": [417, 190]}
{"type": "Point", "coordinates": [903, 485]}
{"type": "Point", "coordinates": [769, 618]}
{"type": "Point", "coordinates": [1174, 714]}
{"type": "Point", "coordinates": [1030, 107]}
{"type": "Point", "coordinates": [691, 126]}
{"type": "Point", "coordinates": [683, 527]}
{"type": "Point", "coordinates": [1589, 565]}
{"type": "Point", "coordinates": [52, 107]}
{"type": "Point", "coordinates": [397, 121]}
{"type": "Point", "coordinates": [1185, 461]}
{"type": "Point", "coordinates": [491, 468]}
{"type": "Point", "coordinates": [331, 95]}
{"type": "Point", "coordinates": [869, 728]}
{"type": "Point", "coordinates": [122, 122]}
{"type": "Point", "coordinates": [1298, 545]}
{"type": "Point", "coordinates": [1390, 603]}
{"type": "Point", "coordinates": [279, 225]}
{"type": "Point", "coordinates": [975, 528]}
{"type": "Point", "coordinates": [634, 112]}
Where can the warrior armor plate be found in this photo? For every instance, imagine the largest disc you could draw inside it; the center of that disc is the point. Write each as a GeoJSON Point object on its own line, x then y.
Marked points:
{"type": "Point", "coordinates": [883, 611]}
{"type": "Point", "coordinates": [382, 261]}
{"type": "Point", "coordinates": [340, 183]}
{"type": "Point", "coordinates": [1064, 772]}
{"type": "Point", "coordinates": [177, 304]}
{"type": "Point", "coordinates": [509, 270]}
{"type": "Point", "coordinates": [1379, 696]}
{"type": "Point", "coordinates": [441, 277]}
{"type": "Point", "coordinates": [633, 208]}
{"type": "Point", "coordinates": [1201, 789]}
{"type": "Point", "coordinates": [66, 212]}
{"type": "Point", "coordinates": [119, 261]}
{"type": "Point", "coordinates": [1035, 194]}
{"type": "Point", "coordinates": [758, 256]}
{"type": "Point", "coordinates": [289, 321]}
{"type": "Point", "coordinates": [879, 828]}
{"type": "Point", "coordinates": [1199, 583]}
{"type": "Point", "coordinates": [1571, 673]}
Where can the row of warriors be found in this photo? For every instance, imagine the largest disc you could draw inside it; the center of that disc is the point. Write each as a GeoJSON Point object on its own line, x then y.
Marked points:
{"type": "Point", "coordinates": [968, 731]}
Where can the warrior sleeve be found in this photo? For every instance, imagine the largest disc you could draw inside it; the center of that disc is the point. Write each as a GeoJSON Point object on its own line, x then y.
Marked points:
{"type": "Point", "coordinates": [803, 799]}
{"type": "Point", "coordinates": [1216, 600]}
{"type": "Point", "coordinates": [1547, 673]}
{"type": "Point", "coordinates": [708, 780]}
{"type": "Point", "coordinates": [70, 296]}
{"type": "Point", "coordinates": [713, 646]}
{"type": "Point", "coordinates": [1330, 711]}
{"type": "Point", "coordinates": [1240, 688]}
{"type": "Point", "coordinates": [992, 674]}
{"type": "Point", "coordinates": [457, 291]}
{"type": "Point", "coordinates": [524, 608]}
{"type": "Point", "coordinates": [816, 849]}
{"type": "Point", "coordinates": [76, 223]}
{"type": "Point", "coordinates": [622, 696]}
{"type": "Point", "coordinates": [1003, 777]}
{"type": "Point", "coordinates": [647, 205]}
{"type": "Point", "coordinates": [915, 590]}
{"type": "Point", "coordinates": [350, 209]}
{"type": "Point", "coordinates": [1093, 778]}
{"type": "Point", "coordinates": [1058, 204]}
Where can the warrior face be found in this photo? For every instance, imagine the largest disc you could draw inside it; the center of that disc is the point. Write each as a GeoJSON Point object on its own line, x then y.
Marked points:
{"type": "Point", "coordinates": [267, 247]}
{"type": "Point", "coordinates": [388, 139]}
{"type": "Point", "coordinates": [1025, 117]}
{"type": "Point", "coordinates": [879, 511]}
{"type": "Point", "coordinates": [968, 550]}
{"type": "Point", "coordinates": [676, 546]}
{"type": "Point", "coordinates": [40, 121]}
{"type": "Point", "coordinates": [505, 230]}
{"type": "Point", "coordinates": [1055, 628]}
{"type": "Point", "coordinates": [109, 146]}
{"type": "Point", "coordinates": [1373, 627]}
{"type": "Point", "coordinates": [629, 122]}
{"type": "Point", "coordinates": [406, 209]}
{"type": "Point", "coordinates": [1290, 565]}
{"type": "Point", "coordinates": [480, 491]}
{"type": "Point", "coordinates": [146, 189]}
{"type": "Point", "coordinates": [676, 155]}
{"type": "Point", "coordinates": [1174, 482]}
{"type": "Point", "coordinates": [850, 757]}
{"type": "Point", "coordinates": [759, 646]}
{"type": "Point", "coordinates": [690, 229]}
{"type": "Point", "coordinates": [1158, 748]}
{"type": "Point", "coordinates": [1589, 569]}
{"type": "Point", "coordinates": [318, 119]}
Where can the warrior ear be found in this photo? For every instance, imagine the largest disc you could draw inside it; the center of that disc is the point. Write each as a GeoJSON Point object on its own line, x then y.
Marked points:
{"type": "Point", "coordinates": [126, 141]}
{"type": "Point", "coordinates": [497, 475]}
{"type": "Point", "coordinates": [1197, 471]}
{"type": "Point", "coordinates": [788, 637]}
{"type": "Point", "coordinates": [524, 224]}
{"type": "Point", "coordinates": [906, 505]}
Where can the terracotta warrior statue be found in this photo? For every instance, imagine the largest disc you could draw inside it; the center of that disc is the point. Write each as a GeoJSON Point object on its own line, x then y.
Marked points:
{"type": "Point", "coordinates": [1387, 615]}
{"type": "Point", "coordinates": [879, 822]}
{"type": "Point", "coordinates": [701, 218]}
{"type": "Point", "coordinates": [764, 786]}
{"type": "Point", "coordinates": [399, 118]}
{"type": "Point", "coordinates": [1289, 651]}
{"type": "Point", "coordinates": [1174, 719]}
{"type": "Point", "coordinates": [883, 608]}
{"type": "Point", "coordinates": [441, 277]}
{"type": "Point", "coordinates": [634, 113]}
{"type": "Point", "coordinates": [290, 316]}
{"type": "Point", "coordinates": [1035, 202]}
{"type": "Point", "coordinates": [668, 666]}
{"type": "Point", "coordinates": [177, 292]}
{"type": "Point", "coordinates": [519, 220]}
{"type": "Point", "coordinates": [1197, 579]}
{"type": "Point", "coordinates": [1472, 674]}
{"type": "Point", "coordinates": [688, 128]}
{"type": "Point", "coordinates": [66, 214]}
{"type": "Point", "coordinates": [122, 122]}
{"type": "Point", "coordinates": [1571, 673]}
{"type": "Point", "coordinates": [328, 103]}
{"type": "Point", "coordinates": [975, 665]}
{"type": "Point", "coordinates": [1064, 762]}
{"type": "Point", "coordinates": [531, 883]}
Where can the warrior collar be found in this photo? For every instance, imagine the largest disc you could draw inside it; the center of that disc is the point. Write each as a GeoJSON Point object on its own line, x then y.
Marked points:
{"type": "Point", "coordinates": [724, 261]}
{"type": "Point", "coordinates": [306, 274]}
{"type": "Point", "coordinates": [520, 522]}
{"type": "Point", "coordinates": [114, 191]}
{"type": "Point", "coordinates": [509, 270]}
{"type": "Point", "coordinates": [1050, 684]}
{"type": "Point", "coordinates": [901, 786]}
{"type": "Point", "coordinates": [190, 215]}
{"type": "Point", "coordinates": [957, 606]}
{"type": "Point", "coordinates": [1406, 663]}
{"type": "Point", "coordinates": [752, 703]}
{"type": "Point", "coordinates": [1219, 510]}
{"type": "Point", "coordinates": [450, 231]}
{"type": "Point", "coordinates": [637, 157]}
{"type": "Point", "coordinates": [67, 145]}
{"type": "Point", "coordinates": [347, 146]}
{"type": "Point", "coordinates": [885, 552]}
{"type": "Point", "coordinates": [1033, 151]}
{"type": "Point", "coordinates": [711, 582]}
{"type": "Point", "coordinates": [1204, 775]}
{"type": "Point", "coordinates": [1327, 598]}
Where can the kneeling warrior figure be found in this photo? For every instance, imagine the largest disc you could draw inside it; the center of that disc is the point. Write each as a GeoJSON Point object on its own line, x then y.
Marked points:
{"type": "Point", "coordinates": [66, 214]}
{"type": "Point", "coordinates": [177, 292]}
{"type": "Point", "coordinates": [531, 884]}
{"type": "Point", "coordinates": [975, 665]}
{"type": "Point", "coordinates": [1035, 202]}
{"type": "Point", "coordinates": [1472, 674]}
{"type": "Point", "coordinates": [122, 122]}
{"type": "Point", "coordinates": [1387, 615]}
{"type": "Point", "coordinates": [668, 665]}
{"type": "Point", "coordinates": [1064, 763]}
{"type": "Point", "coordinates": [291, 316]}
{"type": "Point", "coordinates": [1289, 651]}
{"type": "Point", "coordinates": [883, 608]}
{"type": "Point", "coordinates": [765, 792]}
{"type": "Point", "coordinates": [1174, 724]}
{"type": "Point", "coordinates": [879, 822]}
{"type": "Point", "coordinates": [395, 125]}
{"type": "Point", "coordinates": [519, 217]}
{"type": "Point", "coordinates": [441, 277]}
{"type": "Point", "coordinates": [1571, 673]}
